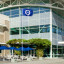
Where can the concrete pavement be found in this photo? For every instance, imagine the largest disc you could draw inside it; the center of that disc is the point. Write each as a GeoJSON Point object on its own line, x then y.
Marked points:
{"type": "Point", "coordinates": [44, 61]}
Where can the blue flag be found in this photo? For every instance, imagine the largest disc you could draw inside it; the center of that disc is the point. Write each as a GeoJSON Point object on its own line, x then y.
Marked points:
{"type": "Point", "coordinates": [27, 12]}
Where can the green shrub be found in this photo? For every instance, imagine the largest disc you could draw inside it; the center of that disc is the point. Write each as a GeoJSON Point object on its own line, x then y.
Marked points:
{"type": "Point", "coordinates": [17, 52]}
{"type": "Point", "coordinates": [39, 53]}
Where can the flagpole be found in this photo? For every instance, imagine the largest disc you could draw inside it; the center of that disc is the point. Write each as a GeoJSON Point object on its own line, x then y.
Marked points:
{"type": "Point", "coordinates": [22, 34]}
{"type": "Point", "coordinates": [22, 26]}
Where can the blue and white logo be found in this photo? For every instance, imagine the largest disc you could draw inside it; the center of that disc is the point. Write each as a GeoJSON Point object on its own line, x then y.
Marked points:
{"type": "Point", "coordinates": [27, 12]}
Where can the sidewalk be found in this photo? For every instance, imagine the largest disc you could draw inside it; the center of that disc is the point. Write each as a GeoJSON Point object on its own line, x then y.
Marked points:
{"type": "Point", "coordinates": [44, 61]}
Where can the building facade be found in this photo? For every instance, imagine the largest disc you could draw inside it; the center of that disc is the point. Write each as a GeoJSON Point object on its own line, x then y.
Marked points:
{"type": "Point", "coordinates": [4, 32]}
{"type": "Point", "coordinates": [47, 22]}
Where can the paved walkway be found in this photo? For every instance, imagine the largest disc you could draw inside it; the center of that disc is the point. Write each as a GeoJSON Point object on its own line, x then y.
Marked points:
{"type": "Point", "coordinates": [44, 61]}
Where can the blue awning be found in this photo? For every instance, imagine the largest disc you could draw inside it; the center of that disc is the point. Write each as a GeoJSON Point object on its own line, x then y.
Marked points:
{"type": "Point", "coordinates": [4, 48]}
{"type": "Point", "coordinates": [24, 49]}
{"type": "Point", "coordinates": [12, 48]}
{"type": "Point", "coordinates": [21, 49]}
{"type": "Point", "coordinates": [28, 48]}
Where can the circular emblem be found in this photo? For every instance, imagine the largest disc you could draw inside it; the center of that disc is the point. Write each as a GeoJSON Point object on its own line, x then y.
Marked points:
{"type": "Point", "coordinates": [27, 12]}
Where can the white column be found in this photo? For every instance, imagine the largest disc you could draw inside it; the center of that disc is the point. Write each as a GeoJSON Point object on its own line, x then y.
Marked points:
{"type": "Point", "coordinates": [20, 24]}
{"type": "Point", "coordinates": [12, 52]}
{"type": "Point", "coordinates": [39, 22]}
{"type": "Point", "coordinates": [22, 32]}
{"type": "Point", "coordinates": [51, 32]}
{"type": "Point", "coordinates": [4, 53]}
{"type": "Point", "coordinates": [31, 52]}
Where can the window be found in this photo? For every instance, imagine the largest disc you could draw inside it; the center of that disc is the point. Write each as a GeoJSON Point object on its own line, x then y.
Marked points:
{"type": "Point", "coordinates": [14, 12]}
{"type": "Point", "coordinates": [63, 32]}
{"type": "Point", "coordinates": [24, 28]}
{"type": "Point", "coordinates": [31, 29]}
{"type": "Point", "coordinates": [44, 28]}
{"type": "Point", "coordinates": [47, 29]}
{"type": "Point", "coordinates": [34, 30]}
{"type": "Point", "coordinates": [54, 29]}
{"type": "Point", "coordinates": [36, 12]}
{"type": "Point", "coordinates": [6, 13]}
{"type": "Point", "coordinates": [14, 31]}
{"type": "Point", "coordinates": [24, 31]}
{"type": "Point", "coordinates": [0, 50]}
{"type": "Point", "coordinates": [59, 31]}
{"type": "Point", "coordinates": [41, 11]}
{"type": "Point", "coordinates": [14, 16]}
{"type": "Point", "coordinates": [45, 25]}
{"type": "Point", "coordinates": [42, 25]}
{"type": "Point", "coordinates": [35, 9]}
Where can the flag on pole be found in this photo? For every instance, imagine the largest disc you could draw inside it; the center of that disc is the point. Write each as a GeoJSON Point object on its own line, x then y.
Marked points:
{"type": "Point", "coordinates": [27, 12]}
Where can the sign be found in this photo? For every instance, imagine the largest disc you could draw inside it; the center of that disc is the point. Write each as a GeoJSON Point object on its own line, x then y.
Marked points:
{"type": "Point", "coordinates": [27, 12]}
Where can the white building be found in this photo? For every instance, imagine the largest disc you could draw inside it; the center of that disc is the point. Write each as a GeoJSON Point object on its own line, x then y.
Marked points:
{"type": "Point", "coordinates": [47, 21]}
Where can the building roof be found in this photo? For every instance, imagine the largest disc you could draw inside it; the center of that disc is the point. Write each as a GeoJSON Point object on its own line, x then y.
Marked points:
{"type": "Point", "coordinates": [55, 4]}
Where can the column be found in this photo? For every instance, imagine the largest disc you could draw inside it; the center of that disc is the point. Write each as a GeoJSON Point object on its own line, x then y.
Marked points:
{"type": "Point", "coordinates": [51, 32]}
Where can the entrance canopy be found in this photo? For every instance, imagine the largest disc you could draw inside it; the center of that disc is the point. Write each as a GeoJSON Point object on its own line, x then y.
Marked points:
{"type": "Point", "coordinates": [61, 43]}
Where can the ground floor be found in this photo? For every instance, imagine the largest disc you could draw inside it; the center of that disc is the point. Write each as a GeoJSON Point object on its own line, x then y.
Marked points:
{"type": "Point", "coordinates": [57, 50]}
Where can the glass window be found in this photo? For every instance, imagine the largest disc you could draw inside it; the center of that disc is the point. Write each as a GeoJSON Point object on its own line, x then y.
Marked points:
{"type": "Point", "coordinates": [54, 29]}
{"type": "Point", "coordinates": [7, 13]}
{"type": "Point", "coordinates": [36, 12]}
{"type": "Point", "coordinates": [30, 29]}
{"type": "Point", "coordinates": [24, 31]}
{"type": "Point", "coordinates": [63, 32]}
{"type": "Point", "coordinates": [47, 25]}
{"type": "Point", "coordinates": [59, 31]}
{"type": "Point", "coordinates": [54, 51]}
{"type": "Point", "coordinates": [41, 11]}
{"type": "Point", "coordinates": [33, 27]}
{"type": "Point", "coordinates": [14, 31]}
{"type": "Point", "coordinates": [14, 16]}
{"type": "Point", "coordinates": [43, 30]}
{"type": "Point", "coordinates": [0, 50]}
{"type": "Point", "coordinates": [44, 25]}
{"type": "Point", "coordinates": [24, 28]}
{"type": "Point", "coordinates": [47, 29]}
{"type": "Point", "coordinates": [34, 30]}
{"type": "Point", "coordinates": [47, 10]}
{"type": "Point", "coordinates": [35, 9]}
{"type": "Point", "coordinates": [14, 12]}
{"type": "Point", "coordinates": [54, 26]}
{"type": "Point", "coordinates": [54, 46]}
